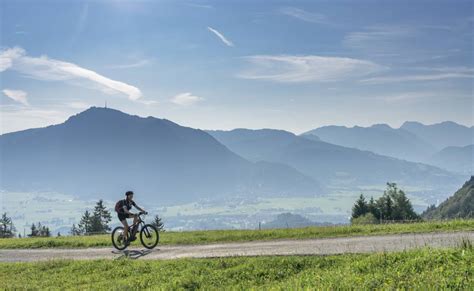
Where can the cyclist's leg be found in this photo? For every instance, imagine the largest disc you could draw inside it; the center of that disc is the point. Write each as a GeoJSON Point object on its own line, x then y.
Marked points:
{"type": "Point", "coordinates": [125, 227]}
{"type": "Point", "coordinates": [135, 221]}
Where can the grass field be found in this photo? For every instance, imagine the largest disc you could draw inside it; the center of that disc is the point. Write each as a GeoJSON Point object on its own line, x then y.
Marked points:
{"type": "Point", "coordinates": [426, 269]}
{"type": "Point", "coordinates": [203, 237]}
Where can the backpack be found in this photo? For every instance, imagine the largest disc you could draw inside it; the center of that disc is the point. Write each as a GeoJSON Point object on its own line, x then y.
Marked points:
{"type": "Point", "coordinates": [119, 206]}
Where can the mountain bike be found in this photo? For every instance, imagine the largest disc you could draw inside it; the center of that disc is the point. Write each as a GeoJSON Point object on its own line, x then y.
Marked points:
{"type": "Point", "coordinates": [149, 235]}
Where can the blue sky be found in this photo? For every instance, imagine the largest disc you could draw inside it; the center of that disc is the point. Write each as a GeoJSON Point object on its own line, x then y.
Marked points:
{"type": "Point", "coordinates": [293, 65]}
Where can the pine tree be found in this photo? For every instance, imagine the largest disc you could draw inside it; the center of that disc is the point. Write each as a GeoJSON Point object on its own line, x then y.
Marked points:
{"type": "Point", "coordinates": [34, 231]}
{"type": "Point", "coordinates": [158, 223]}
{"type": "Point", "coordinates": [402, 208]}
{"type": "Point", "coordinates": [372, 207]}
{"type": "Point", "coordinates": [360, 208]}
{"type": "Point", "coordinates": [100, 218]}
{"type": "Point", "coordinates": [45, 232]}
{"type": "Point", "coordinates": [75, 230]}
{"type": "Point", "coordinates": [39, 228]}
{"type": "Point", "coordinates": [385, 206]}
{"type": "Point", "coordinates": [7, 229]}
{"type": "Point", "coordinates": [85, 225]}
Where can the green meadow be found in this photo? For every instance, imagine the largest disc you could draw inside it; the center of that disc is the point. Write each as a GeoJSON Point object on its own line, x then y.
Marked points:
{"type": "Point", "coordinates": [424, 269]}
{"type": "Point", "coordinates": [219, 236]}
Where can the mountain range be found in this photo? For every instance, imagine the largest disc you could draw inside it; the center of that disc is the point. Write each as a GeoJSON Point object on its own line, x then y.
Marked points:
{"type": "Point", "coordinates": [103, 152]}
{"type": "Point", "coordinates": [334, 164]}
{"type": "Point", "coordinates": [447, 145]}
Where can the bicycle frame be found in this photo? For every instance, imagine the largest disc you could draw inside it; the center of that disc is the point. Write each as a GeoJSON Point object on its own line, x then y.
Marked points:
{"type": "Point", "coordinates": [139, 224]}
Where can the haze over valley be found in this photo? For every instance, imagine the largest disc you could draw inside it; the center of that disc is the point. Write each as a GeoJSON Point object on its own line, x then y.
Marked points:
{"type": "Point", "coordinates": [216, 179]}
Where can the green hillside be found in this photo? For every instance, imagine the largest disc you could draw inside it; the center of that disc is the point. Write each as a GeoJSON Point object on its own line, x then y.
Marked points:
{"type": "Point", "coordinates": [460, 205]}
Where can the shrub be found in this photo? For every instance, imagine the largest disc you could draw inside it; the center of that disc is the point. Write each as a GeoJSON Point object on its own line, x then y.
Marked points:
{"type": "Point", "coordinates": [367, 218]}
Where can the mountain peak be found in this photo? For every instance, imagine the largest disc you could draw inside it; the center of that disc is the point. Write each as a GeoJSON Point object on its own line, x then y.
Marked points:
{"type": "Point", "coordinates": [416, 124]}
{"type": "Point", "coordinates": [98, 110]}
{"type": "Point", "coordinates": [381, 126]}
{"type": "Point", "coordinates": [99, 114]}
{"type": "Point", "coordinates": [411, 124]}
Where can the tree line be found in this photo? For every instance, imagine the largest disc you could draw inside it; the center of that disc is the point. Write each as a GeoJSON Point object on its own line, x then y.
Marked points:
{"type": "Point", "coordinates": [8, 230]}
{"type": "Point", "coordinates": [92, 222]}
{"type": "Point", "coordinates": [393, 205]}
{"type": "Point", "coordinates": [97, 221]}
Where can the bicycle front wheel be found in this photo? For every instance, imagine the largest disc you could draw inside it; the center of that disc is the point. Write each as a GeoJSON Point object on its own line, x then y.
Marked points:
{"type": "Point", "coordinates": [149, 236]}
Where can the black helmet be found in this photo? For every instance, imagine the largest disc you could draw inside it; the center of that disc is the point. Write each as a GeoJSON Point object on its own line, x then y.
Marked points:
{"type": "Point", "coordinates": [128, 193]}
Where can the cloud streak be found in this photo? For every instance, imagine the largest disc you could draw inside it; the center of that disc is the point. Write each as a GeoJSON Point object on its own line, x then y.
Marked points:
{"type": "Point", "coordinates": [46, 69]}
{"type": "Point", "coordinates": [434, 74]}
{"type": "Point", "coordinates": [296, 69]}
{"type": "Point", "coordinates": [377, 36]}
{"type": "Point", "coordinates": [17, 95]}
{"type": "Point", "coordinates": [186, 99]}
{"type": "Point", "coordinates": [138, 64]}
{"type": "Point", "coordinates": [303, 15]}
{"type": "Point", "coordinates": [221, 37]}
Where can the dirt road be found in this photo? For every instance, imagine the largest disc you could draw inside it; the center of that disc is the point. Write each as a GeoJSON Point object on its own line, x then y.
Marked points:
{"type": "Point", "coordinates": [362, 244]}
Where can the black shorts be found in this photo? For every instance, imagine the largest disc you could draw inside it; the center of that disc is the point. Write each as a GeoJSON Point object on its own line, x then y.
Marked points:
{"type": "Point", "coordinates": [122, 216]}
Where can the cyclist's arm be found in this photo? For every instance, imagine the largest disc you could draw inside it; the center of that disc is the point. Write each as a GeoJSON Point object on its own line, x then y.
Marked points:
{"type": "Point", "coordinates": [139, 208]}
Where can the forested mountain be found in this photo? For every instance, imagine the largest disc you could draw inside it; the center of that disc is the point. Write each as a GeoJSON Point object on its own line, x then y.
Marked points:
{"type": "Point", "coordinates": [460, 205]}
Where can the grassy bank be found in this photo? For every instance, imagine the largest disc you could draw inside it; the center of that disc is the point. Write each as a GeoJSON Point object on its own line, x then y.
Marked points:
{"type": "Point", "coordinates": [419, 269]}
{"type": "Point", "coordinates": [203, 237]}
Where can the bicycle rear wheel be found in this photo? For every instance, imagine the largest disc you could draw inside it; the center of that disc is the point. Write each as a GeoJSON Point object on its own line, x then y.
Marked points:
{"type": "Point", "coordinates": [118, 239]}
{"type": "Point", "coordinates": [149, 236]}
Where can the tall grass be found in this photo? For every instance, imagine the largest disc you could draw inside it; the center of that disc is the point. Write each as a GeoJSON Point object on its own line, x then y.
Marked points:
{"type": "Point", "coordinates": [425, 269]}
{"type": "Point", "coordinates": [214, 236]}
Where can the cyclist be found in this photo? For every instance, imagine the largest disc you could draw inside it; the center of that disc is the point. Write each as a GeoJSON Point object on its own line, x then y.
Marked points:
{"type": "Point", "coordinates": [122, 207]}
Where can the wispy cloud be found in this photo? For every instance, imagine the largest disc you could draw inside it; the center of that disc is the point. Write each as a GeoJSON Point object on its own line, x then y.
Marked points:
{"type": "Point", "coordinates": [46, 69]}
{"type": "Point", "coordinates": [20, 117]}
{"type": "Point", "coordinates": [417, 96]}
{"type": "Point", "coordinates": [378, 37]}
{"type": "Point", "coordinates": [137, 64]}
{"type": "Point", "coordinates": [433, 74]}
{"type": "Point", "coordinates": [303, 15]}
{"type": "Point", "coordinates": [17, 95]}
{"type": "Point", "coordinates": [185, 99]}
{"type": "Point", "coordinates": [293, 69]}
{"type": "Point", "coordinates": [221, 36]}
{"type": "Point", "coordinates": [197, 5]}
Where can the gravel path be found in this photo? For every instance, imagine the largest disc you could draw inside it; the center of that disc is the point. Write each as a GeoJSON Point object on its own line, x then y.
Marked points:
{"type": "Point", "coordinates": [362, 244]}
